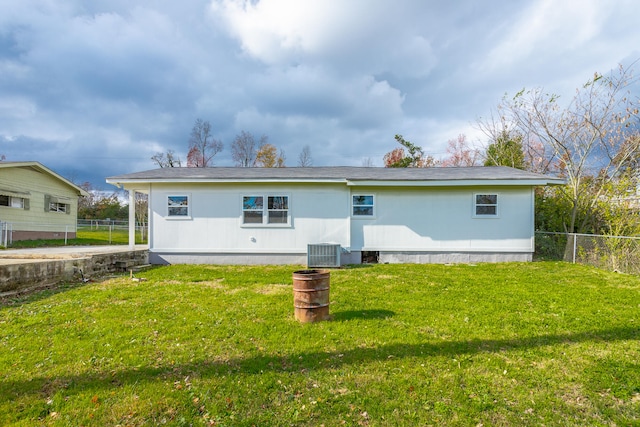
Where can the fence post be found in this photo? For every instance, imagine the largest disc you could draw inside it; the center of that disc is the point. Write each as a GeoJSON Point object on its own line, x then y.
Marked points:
{"type": "Point", "coordinates": [110, 227]}
{"type": "Point", "coordinates": [575, 246]}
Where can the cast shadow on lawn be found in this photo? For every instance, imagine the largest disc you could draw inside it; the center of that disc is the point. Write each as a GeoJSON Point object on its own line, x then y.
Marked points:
{"type": "Point", "coordinates": [298, 362]}
{"type": "Point", "coordinates": [38, 293]}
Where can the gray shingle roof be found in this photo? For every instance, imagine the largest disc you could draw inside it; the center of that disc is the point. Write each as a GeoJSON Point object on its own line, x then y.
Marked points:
{"type": "Point", "coordinates": [346, 173]}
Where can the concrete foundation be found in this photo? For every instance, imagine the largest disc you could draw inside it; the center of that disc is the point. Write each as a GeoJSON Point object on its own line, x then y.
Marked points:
{"type": "Point", "coordinates": [227, 259]}
{"type": "Point", "coordinates": [20, 274]}
{"type": "Point", "coordinates": [452, 257]}
{"type": "Point", "coordinates": [346, 258]}
{"type": "Point", "coordinates": [17, 235]}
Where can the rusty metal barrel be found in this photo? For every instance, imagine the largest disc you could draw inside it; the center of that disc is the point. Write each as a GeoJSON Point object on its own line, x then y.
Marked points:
{"type": "Point", "coordinates": [311, 295]}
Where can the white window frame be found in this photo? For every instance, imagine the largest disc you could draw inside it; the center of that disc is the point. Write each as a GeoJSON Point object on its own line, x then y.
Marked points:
{"type": "Point", "coordinates": [16, 202]}
{"type": "Point", "coordinates": [372, 205]}
{"type": "Point", "coordinates": [56, 205]}
{"type": "Point", "coordinates": [260, 210]}
{"type": "Point", "coordinates": [169, 206]}
{"type": "Point", "coordinates": [476, 205]}
{"type": "Point", "coordinates": [265, 211]}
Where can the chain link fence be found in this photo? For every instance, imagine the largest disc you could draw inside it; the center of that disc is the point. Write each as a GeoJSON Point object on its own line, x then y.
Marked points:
{"type": "Point", "coordinates": [100, 231]}
{"type": "Point", "coordinates": [14, 231]}
{"type": "Point", "coordinates": [615, 253]}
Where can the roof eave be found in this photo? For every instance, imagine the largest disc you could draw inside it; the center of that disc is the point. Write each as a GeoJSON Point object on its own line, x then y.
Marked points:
{"type": "Point", "coordinates": [349, 182]}
{"type": "Point", "coordinates": [458, 183]}
{"type": "Point", "coordinates": [119, 182]}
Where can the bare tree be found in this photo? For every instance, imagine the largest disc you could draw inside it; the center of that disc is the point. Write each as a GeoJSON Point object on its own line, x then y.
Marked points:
{"type": "Point", "coordinates": [367, 162]}
{"type": "Point", "coordinates": [589, 141]}
{"type": "Point", "coordinates": [167, 160]}
{"type": "Point", "coordinates": [505, 138]}
{"type": "Point", "coordinates": [244, 149]}
{"type": "Point", "coordinates": [202, 145]}
{"type": "Point", "coordinates": [282, 158]}
{"type": "Point", "coordinates": [304, 158]}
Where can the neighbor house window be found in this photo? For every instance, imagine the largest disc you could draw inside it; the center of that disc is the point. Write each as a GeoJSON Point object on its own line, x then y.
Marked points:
{"type": "Point", "coordinates": [56, 204]}
{"type": "Point", "coordinates": [486, 205]}
{"type": "Point", "coordinates": [274, 211]}
{"type": "Point", "coordinates": [58, 207]}
{"type": "Point", "coordinates": [362, 205]}
{"type": "Point", "coordinates": [14, 202]}
{"type": "Point", "coordinates": [178, 206]}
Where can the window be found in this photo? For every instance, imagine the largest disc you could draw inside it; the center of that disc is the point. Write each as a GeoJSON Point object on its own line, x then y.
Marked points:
{"type": "Point", "coordinates": [362, 205]}
{"type": "Point", "coordinates": [278, 209]}
{"type": "Point", "coordinates": [252, 207]}
{"type": "Point", "coordinates": [486, 205]}
{"type": "Point", "coordinates": [14, 202]}
{"type": "Point", "coordinates": [255, 211]}
{"type": "Point", "coordinates": [178, 206]}
{"type": "Point", "coordinates": [58, 207]}
{"type": "Point", "coordinates": [57, 204]}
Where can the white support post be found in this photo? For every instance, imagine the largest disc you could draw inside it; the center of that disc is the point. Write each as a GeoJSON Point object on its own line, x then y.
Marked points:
{"type": "Point", "coordinates": [132, 219]}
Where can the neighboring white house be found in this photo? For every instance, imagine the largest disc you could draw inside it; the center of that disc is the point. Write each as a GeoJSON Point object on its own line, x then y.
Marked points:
{"type": "Point", "coordinates": [36, 203]}
{"type": "Point", "coordinates": [270, 215]}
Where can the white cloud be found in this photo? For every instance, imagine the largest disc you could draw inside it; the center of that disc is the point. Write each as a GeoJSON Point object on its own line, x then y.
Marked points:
{"type": "Point", "coordinates": [561, 44]}
{"type": "Point", "coordinates": [278, 30]}
{"type": "Point", "coordinates": [355, 35]}
{"type": "Point", "coordinates": [95, 88]}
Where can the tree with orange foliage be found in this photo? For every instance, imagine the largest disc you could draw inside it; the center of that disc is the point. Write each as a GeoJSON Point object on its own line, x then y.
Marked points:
{"type": "Point", "coordinates": [202, 145]}
{"type": "Point", "coordinates": [268, 157]}
{"type": "Point", "coordinates": [398, 158]}
{"type": "Point", "coordinates": [460, 153]}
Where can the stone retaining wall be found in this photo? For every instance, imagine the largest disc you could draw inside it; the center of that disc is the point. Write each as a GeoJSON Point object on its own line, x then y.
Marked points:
{"type": "Point", "coordinates": [24, 276]}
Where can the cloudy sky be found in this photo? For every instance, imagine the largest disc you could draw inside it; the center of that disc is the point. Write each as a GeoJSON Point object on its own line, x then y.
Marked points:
{"type": "Point", "coordinates": [95, 88]}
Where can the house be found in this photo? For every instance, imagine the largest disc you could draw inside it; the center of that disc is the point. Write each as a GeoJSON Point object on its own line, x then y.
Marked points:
{"type": "Point", "coordinates": [36, 203]}
{"type": "Point", "coordinates": [270, 215]}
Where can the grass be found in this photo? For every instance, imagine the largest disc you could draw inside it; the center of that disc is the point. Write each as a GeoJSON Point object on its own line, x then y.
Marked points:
{"type": "Point", "coordinates": [507, 344]}
{"type": "Point", "coordinates": [84, 236]}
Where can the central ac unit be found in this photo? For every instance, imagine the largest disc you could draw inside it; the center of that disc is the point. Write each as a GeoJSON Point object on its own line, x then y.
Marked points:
{"type": "Point", "coordinates": [323, 255]}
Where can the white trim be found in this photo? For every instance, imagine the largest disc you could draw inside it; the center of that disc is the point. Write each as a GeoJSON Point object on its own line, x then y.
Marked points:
{"type": "Point", "coordinates": [459, 183]}
{"type": "Point", "coordinates": [132, 219]}
{"type": "Point", "coordinates": [218, 251]}
{"type": "Point", "coordinates": [227, 181]}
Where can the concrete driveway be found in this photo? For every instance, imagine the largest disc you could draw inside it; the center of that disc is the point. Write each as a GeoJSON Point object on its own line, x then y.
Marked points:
{"type": "Point", "coordinates": [29, 255]}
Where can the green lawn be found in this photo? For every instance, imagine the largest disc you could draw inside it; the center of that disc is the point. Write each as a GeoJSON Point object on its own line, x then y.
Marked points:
{"type": "Point", "coordinates": [84, 236]}
{"type": "Point", "coordinates": [409, 345]}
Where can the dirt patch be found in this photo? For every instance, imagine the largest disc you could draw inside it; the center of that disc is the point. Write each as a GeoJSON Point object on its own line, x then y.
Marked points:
{"type": "Point", "coordinates": [275, 289]}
